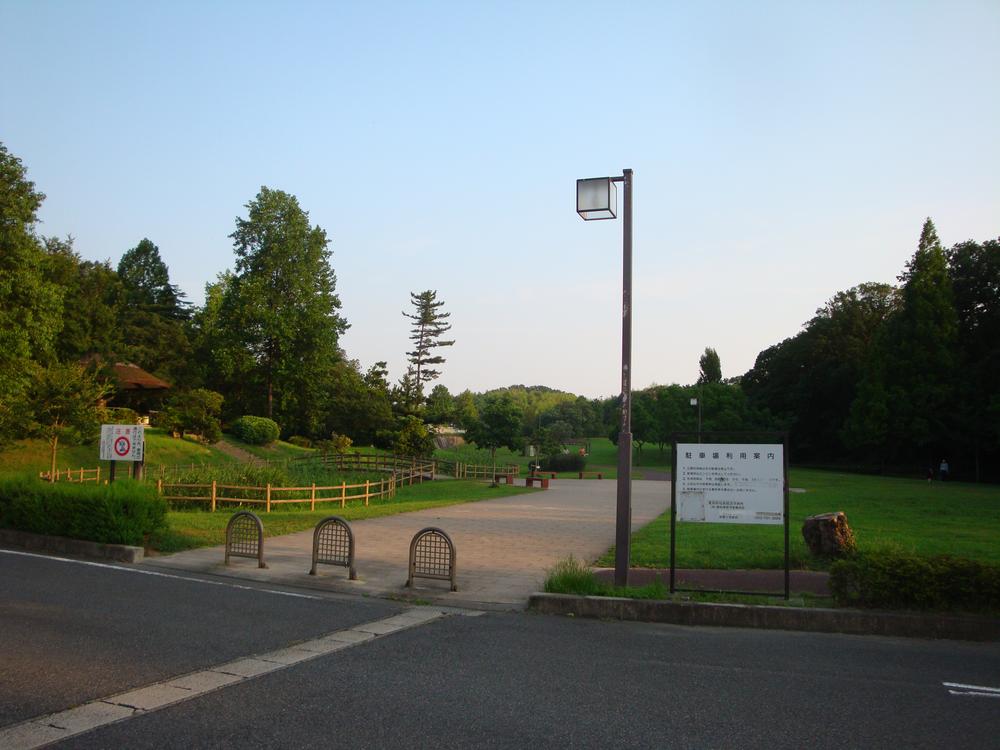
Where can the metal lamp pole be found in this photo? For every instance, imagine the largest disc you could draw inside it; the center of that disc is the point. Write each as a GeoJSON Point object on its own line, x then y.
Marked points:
{"type": "Point", "coordinates": [596, 198]}
{"type": "Point", "coordinates": [623, 516]}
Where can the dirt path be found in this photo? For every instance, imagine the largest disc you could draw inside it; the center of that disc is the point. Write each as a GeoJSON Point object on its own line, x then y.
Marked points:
{"type": "Point", "coordinates": [238, 453]}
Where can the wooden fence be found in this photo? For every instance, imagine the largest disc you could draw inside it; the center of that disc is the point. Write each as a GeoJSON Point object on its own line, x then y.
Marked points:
{"type": "Point", "coordinates": [404, 469]}
{"type": "Point", "coordinates": [73, 475]}
{"type": "Point", "coordinates": [269, 495]}
{"type": "Point", "coordinates": [478, 471]}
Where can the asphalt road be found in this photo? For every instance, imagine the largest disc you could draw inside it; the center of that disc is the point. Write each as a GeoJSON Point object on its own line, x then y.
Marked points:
{"type": "Point", "coordinates": [72, 632]}
{"type": "Point", "coordinates": [498, 680]}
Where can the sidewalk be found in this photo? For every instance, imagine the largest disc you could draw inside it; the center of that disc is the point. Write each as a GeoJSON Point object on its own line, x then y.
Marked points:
{"type": "Point", "coordinates": [504, 547]}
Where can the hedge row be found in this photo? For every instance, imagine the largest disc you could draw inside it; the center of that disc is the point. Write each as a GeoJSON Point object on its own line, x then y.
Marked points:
{"type": "Point", "coordinates": [897, 580]}
{"type": "Point", "coordinates": [124, 512]}
{"type": "Point", "coordinates": [564, 462]}
{"type": "Point", "coordinates": [255, 430]}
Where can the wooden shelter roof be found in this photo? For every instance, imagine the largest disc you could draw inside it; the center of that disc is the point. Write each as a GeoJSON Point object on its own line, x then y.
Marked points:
{"type": "Point", "coordinates": [134, 378]}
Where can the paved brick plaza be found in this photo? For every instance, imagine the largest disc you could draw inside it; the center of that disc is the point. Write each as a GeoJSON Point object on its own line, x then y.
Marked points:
{"type": "Point", "coordinates": [504, 545]}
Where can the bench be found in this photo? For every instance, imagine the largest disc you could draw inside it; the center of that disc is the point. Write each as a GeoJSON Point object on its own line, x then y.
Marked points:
{"type": "Point", "coordinates": [543, 481]}
{"type": "Point", "coordinates": [541, 473]}
{"type": "Point", "coordinates": [507, 478]}
{"type": "Point", "coordinates": [585, 474]}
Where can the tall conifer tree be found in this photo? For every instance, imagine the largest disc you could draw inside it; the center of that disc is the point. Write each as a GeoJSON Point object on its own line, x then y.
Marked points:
{"type": "Point", "coordinates": [429, 325]}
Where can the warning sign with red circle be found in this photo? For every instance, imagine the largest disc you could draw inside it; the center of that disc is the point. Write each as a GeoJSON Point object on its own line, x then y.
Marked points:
{"type": "Point", "coordinates": [121, 442]}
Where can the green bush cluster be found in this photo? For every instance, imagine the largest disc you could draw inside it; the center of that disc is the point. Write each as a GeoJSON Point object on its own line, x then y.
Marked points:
{"type": "Point", "coordinates": [892, 579]}
{"type": "Point", "coordinates": [255, 430]}
{"type": "Point", "coordinates": [301, 441]}
{"type": "Point", "coordinates": [124, 512]}
{"type": "Point", "coordinates": [564, 462]}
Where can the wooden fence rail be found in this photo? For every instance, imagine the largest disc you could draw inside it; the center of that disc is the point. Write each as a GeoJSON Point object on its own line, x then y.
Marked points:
{"type": "Point", "coordinates": [403, 469]}
{"type": "Point", "coordinates": [74, 475]}
{"type": "Point", "coordinates": [268, 495]}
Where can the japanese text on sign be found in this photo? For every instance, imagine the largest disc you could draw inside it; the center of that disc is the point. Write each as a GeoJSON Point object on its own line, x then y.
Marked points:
{"type": "Point", "coordinates": [121, 442]}
{"type": "Point", "coordinates": [724, 483]}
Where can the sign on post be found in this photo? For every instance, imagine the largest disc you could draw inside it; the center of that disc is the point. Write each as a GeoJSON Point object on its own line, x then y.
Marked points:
{"type": "Point", "coordinates": [121, 442]}
{"type": "Point", "coordinates": [730, 483]}
{"type": "Point", "coordinates": [743, 483]}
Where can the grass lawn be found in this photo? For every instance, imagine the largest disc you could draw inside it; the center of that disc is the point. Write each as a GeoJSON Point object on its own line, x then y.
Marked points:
{"type": "Point", "coordinates": [604, 457]}
{"type": "Point", "coordinates": [200, 528]}
{"type": "Point", "coordinates": [928, 518]}
{"type": "Point", "coordinates": [32, 456]}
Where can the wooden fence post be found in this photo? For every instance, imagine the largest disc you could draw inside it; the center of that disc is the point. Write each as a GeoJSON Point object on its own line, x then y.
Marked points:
{"type": "Point", "coordinates": [214, 495]}
{"type": "Point", "coordinates": [159, 486]}
{"type": "Point", "coordinates": [312, 498]}
{"type": "Point", "coordinates": [366, 493]}
{"type": "Point", "coordinates": [343, 494]}
{"type": "Point", "coordinates": [98, 480]}
{"type": "Point", "coordinates": [268, 499]}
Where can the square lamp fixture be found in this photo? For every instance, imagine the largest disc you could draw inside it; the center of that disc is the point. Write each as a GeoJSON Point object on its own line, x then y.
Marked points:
{"type": "Point", "coordinates": [596, 198]}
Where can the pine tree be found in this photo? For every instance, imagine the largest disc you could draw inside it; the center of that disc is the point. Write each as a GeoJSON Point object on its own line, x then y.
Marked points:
{"type": "Point", "coordinates": [429, 324]}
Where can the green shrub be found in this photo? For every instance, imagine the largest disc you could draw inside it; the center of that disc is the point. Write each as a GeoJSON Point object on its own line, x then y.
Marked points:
{"type": "Point", "coordinates": [195, 411]}
{"type": "Point", "coordinates": [120, 513]}
{"type": "Point", "coordinates": [895, 579]}
{"type": "Point", "coordinates": [301, 441]}
{"type": "Point", "coordinates": [385, 439]}
{"type": "Point", "coordinates": [121, 415]}
{"type": "Point", "coordinates": [336, 444]}
{"type": "Point", "coordinates": [414, 439]}
{"type": "Point", "coordinates": [564, 462]}
{"type": "Point", "coordinates": [255, 430]}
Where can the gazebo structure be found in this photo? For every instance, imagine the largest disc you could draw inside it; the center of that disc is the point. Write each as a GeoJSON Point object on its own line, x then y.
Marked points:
{"type": "Point", "coordinates": [136, 388]}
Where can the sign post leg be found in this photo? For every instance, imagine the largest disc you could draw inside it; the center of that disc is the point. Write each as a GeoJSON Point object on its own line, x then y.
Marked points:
{"type": "Point", "coordinates": [673, 511]}
{"type": "Point", "coordinates": [111, 472]}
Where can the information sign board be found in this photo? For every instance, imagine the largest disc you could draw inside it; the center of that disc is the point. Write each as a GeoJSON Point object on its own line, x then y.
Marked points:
{"type": "Point", "coordinates": [121, 442]}
{"type": "Point", "coordinates": [730, 483]}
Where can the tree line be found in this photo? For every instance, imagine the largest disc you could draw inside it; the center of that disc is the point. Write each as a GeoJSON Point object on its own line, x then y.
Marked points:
{"type": "Point", "coordinates": [885, 376]}
{"type": "Point", "coordinates": [896, 376]}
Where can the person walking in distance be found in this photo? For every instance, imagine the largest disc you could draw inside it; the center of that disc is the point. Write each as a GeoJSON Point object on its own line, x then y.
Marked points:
{"type": "Point", "coordinates": [943, 469]}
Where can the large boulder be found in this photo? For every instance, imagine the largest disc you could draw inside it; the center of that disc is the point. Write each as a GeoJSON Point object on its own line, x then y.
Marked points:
{"type": "Point", "coordinates": [828, 535]}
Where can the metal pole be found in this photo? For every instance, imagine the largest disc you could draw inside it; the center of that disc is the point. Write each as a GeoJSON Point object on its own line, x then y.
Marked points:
{"type": "Point", "coordinates": [784, 450]}
{"type": "Point", "coordinates": [673, 513]}
{"type": "Point", "coordinates": [623, 518]}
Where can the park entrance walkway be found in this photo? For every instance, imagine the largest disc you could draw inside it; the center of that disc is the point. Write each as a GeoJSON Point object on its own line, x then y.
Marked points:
{"type": "Point", "coordinates": [504, 546]}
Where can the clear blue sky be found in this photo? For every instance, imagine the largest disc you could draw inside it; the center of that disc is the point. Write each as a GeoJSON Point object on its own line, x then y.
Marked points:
{"type": "Point", "coordinates": [782, 152]}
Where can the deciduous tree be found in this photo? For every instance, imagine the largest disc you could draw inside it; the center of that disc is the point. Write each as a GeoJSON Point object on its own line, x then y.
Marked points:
{"type": "Point", "coordinates": [498, 425]}
{"type": "Point", "coordinates": [30, 306]}
{"type": "Point", "coordinates": [281, 310]}
{"type": "Point", "coordinates": [65, 402]}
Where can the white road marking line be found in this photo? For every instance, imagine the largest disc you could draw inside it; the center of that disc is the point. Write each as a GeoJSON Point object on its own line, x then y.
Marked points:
{"type": "Point", "coordinates": [974, 693]}
{"type": "Point", "coordinates": [158, 574]}
{"type": "Point", "coordinates": [43, 730]}
{"type": "Point", "coordinates": [964, 689]}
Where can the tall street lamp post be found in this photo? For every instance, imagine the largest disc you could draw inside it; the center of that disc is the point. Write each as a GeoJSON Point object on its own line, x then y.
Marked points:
{"type": "Point", "coordinates": [597, 198]}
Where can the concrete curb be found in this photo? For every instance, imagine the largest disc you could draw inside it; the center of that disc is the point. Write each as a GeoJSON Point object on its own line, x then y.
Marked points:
{"type": "Point", "coordinates": [64, 546]}
{"type": "Point", "coordinates": [850, 621]}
